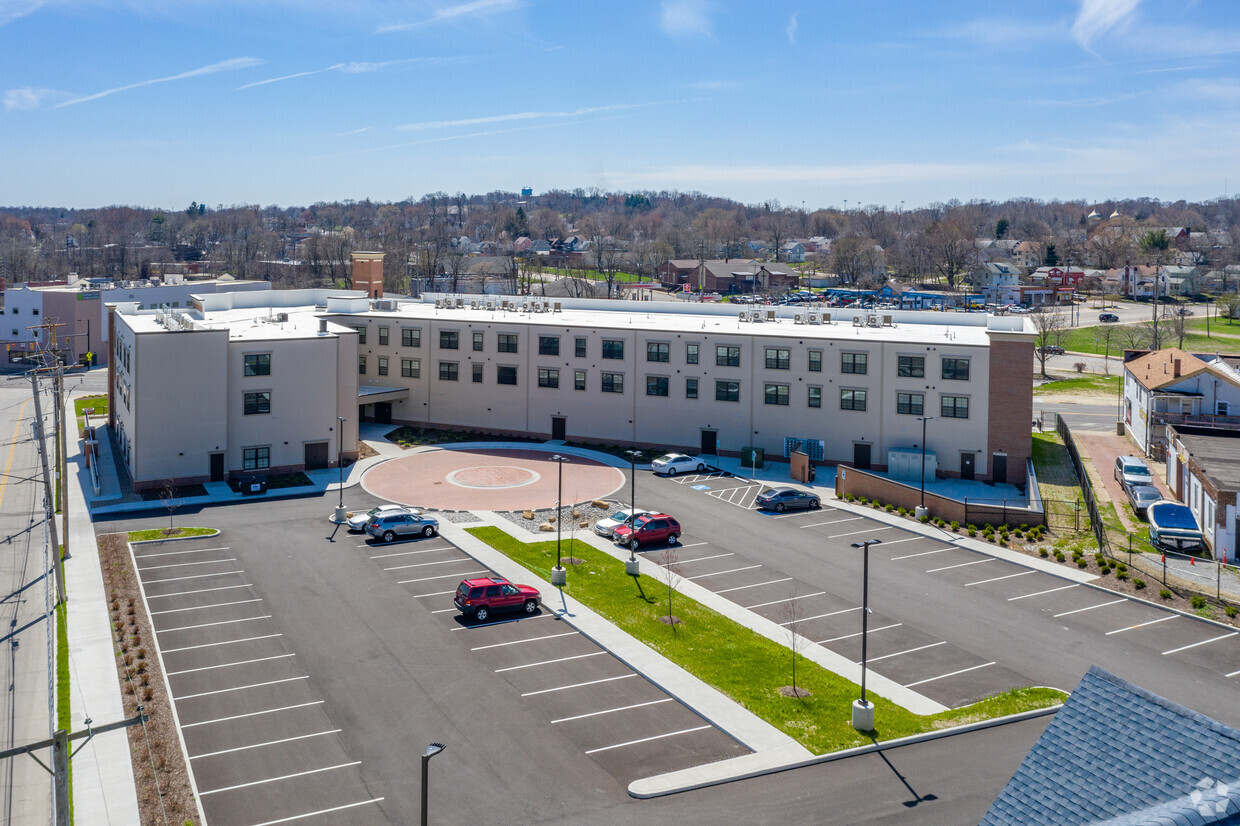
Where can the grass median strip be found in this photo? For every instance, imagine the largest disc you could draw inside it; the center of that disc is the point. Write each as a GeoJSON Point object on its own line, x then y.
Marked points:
{"type": "Point", "coordinates": [744, 665]}
{"type": "Point", "coordinates": [169, 533]}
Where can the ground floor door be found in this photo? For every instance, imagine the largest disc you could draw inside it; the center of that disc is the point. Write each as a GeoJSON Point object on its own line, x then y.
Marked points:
{"type": "Point", "coordinates": [316, 455]}
{"type": "Point", "coordinates": [861, 456]}
{"type": "Point", "coordinates": [383, 412]}
{"type": "Point", "coordinates": [966, 466]}
{"type": "Point", "coordinates": [559, 428]}
{"type": "Point", "coordinates": [217, 467]}
{"type": "Point", "coordinates": [710, 442]}
{"type": "Point", "coordinates": [998, 468]}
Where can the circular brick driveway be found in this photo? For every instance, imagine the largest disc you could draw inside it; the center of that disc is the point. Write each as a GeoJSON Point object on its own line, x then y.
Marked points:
{"type": "Point", "coordinates": [489, 479]}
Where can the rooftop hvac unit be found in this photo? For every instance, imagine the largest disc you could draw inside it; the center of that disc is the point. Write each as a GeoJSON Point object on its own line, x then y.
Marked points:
{"type": "Point", "coordinates": [815, 318]}
{"type": "Point", "coordinates": [281, 317]}
{"type": "Point", "coordinates": [385, 305]}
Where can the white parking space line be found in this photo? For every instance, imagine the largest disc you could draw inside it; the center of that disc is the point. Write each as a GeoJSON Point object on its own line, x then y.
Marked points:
{"type": "Point", "coordinates": [550, 662]}
{"type": "Point", "coordinates": [408, 553]}
{"type": "Point", "coordinates": [952, 674]}
{"type": "Point", "coordinates": [230, 665]}
{"type": "Point", "coordinates": [461, 574]}
{"type": "Point", "coordinates": [867, 530]}
{"type": "Point", "coordinates": [820, 616]}
{"type": "Point", "coordinates": [858, 634]}
{"type": "Point", "coordinates": [490, 624]}
{"type": "Point", "coordinates": [789, 599]}
{"type": "Point", "coordinates": [832, 522]}
{"type": "Point", "coordinates": [906, 651]}
{"type": "Point", "coordinates": [998, 578]}
{"type": "Point", "coordinates": [909, 539]}
{"type": "Point", "coordinates": [252, 714]}
{"type": "Point", "coordinates": [611, 711]}
{"type": "Point", "coordinates": [225, 642]}
{"type": "Point", "coordinates": [577, 685]}
{"type": "Point", "coordinates": [923, 553]}
{"type": "Point", "coordinates": [703, 558]}
{"type": "Point", "coordinates": [1141, 625]}
{"type": "Point", "coordinates": [420, 596]}
{"type": "Point", "coordinates": [268, 743]}
{"type": "Point", "coordinates": [1203, 642]}
{"type": "Point", "coordinates": [806, 512]}
{"type": "Point", "coordinates": [242, 687]}
{"type": "Point", "coordinates": [519, 642]}
{"type": "Point", "coordinates": [693, 544]}
{"type": "Point", "coordinates": [200, 607]}
{"type": "Point", "coordinates": [277, 779]}
{"type": "Point", "coordinates": [960, 565]}
{"type": "Point", "coordinates": [320, 812]}
{"type": "Point", "coordinates": [159, 631]}
{"type": "Point", "coordinates": [194, 576]}
{"type": "Point", "coordinates": [648, 739]}
{"type": "Point", "coordinates": [1048, 591]}
{"type": "Point", "coordinates": [721, 573]}
{"type": "Point", "coordinates": [436, 562]}
{"type": "Point", "coordinates": [171, 553]}
{"type": "Point", "coordinates": [1232, 674]}
{"type": "Point", "coordinates": [187, 564]}
{"type": "Point", "coordinates": [755, 585]}
{"type": "Point", "coordinates": [199, 591]}
{"type": "Point", "coordinates": [1089, 608]}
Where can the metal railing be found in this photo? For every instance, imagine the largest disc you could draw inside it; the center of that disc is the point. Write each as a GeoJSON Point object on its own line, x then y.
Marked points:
{"type": "Point", "coordinates": [1087, 488]}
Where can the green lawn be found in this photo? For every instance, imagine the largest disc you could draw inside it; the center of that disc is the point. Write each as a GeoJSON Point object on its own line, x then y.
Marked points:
{"type": "Point", "coordinates": [1061, 492]}
{"type": "Point", "coordinates": [744, 665]}
{"type": "Point", "coordinates": [1086, 340]}
{"type": "Point", "coordinates": [99, 404]}
{"type": "Point", "coordinates": [64, 716]}
{"type": "Point", "coordinates": [1084, 385]}
{"type": "Point", "coordinates": [168, 533]}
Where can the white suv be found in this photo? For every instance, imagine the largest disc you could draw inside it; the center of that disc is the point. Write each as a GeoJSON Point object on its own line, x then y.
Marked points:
{"type": "Point", "coordinates": [607, 527]}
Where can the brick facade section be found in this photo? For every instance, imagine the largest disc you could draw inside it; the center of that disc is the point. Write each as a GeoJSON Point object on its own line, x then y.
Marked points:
{"type": "Point", "coordinates": [1011, 406]}
{"type": "Point", "coordinates": [890, 492]}
{"type": "Point", "coordinates": [368, 273]}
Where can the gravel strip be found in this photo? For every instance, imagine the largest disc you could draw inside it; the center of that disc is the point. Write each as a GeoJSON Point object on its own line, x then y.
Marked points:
{"type": "Point", "coordinates": [458, 517]}
{"type": "Point", "coordinates": [587, 513]}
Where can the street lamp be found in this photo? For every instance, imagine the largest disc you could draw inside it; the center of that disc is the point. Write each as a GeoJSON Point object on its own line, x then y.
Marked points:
{"type": "Point", "coordinates": [340, 512]}
{"type": "Point", "coordinates": [921, 509]}
{"type": "Point", "coordinates": [431, 751]}
{"type": "Point", "coordinates": [558, 575]}
{"type": "Point", "coordinates": [863, 710]}
{"type": "Point", "coordinates": [631, 566]}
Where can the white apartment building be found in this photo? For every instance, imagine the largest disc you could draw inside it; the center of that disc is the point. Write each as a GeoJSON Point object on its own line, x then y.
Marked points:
{"type": "Point", "coordinates": [848, 387]}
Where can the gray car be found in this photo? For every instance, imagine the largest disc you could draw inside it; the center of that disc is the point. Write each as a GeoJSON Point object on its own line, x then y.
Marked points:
{"type": "Point", "coordinates": [1142, 496]}
{"type": "Point", "coordinates": [358, 521]}
{"type": "Point", "coordinates": [781, 499]}
{"type": "Point", "coordinates": [388, 526]}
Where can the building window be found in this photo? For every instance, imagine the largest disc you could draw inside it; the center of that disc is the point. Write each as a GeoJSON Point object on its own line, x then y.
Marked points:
{"type": "Point", "coordinates": [727, 391]}
{"type": "Point", "coordinates": [956, 369]}
{"type": "Point", "coordinates": [778, 359]}
{"type": "Point", "coordinates": [727, 356]}
{"type": "Point", "coordinates": [911, 367]}
{"type": "Point", "coordinates": [506, 374]}
{"type": "Point", "coordinates": [954, 407]}
{"type": "Point", "coordinates": [477, 372]}
{"type": "Point", "coordinates": [815, 397]}
{"type": "Point", "coordinates": [691, 353]}
{"type": "Point", "coordinates": [579, 379]}
{"type": "Point", "coordinates": [613, 382]}
{"type": "Point", "coordinates": [508, 342]}
{"type": "Point", "coordinates": [410, 338]}
{"type": "Point", "coordinates": [656, 385]}
{"type": "Point", "coordinates": [255, 458]}
{"type": "Point", "coordinates": [658, 351]}
{"type": "Point", "coordinates": [691, 388]}
{"type": "Point", "coordinates": [857, 363]}
{"type": "Point", "coordinates": [911, 404]}
{"type": "Point", "coordinates": [361, 365]}
{"type": "Point", "coordinates": [361, 334]}
{"type": "Point", "coordinates": [449, 370]}
{"type": "Point", "coordinates": [383, 362]}
{"type": "Point", "coordinates": [548, 377]}
{"type": "Point", "coordinates": [548, 345]}
{"type": "Point", "coordinates": [411, 368]}
{"type": "Point", "coordinates": [478, 340]}
{"type": "Point", "coordinates": [579, 348]}
{"type": "Point", "coordinates": [815, 361]}
{"type": "Point", "coordinates": [383, 336]}
{"type": "Point", "coordinates": [613, 348]}
{"type": "Point", "coordinates": [777, 394]}
{"type": "Point", "coordinates": [257, 403]}
{"type": "Point", "coordinates": [449, 340]}
{"type": "Point", "coordinates": [258, 365]}
{"type": "Point", "coordinates": [852, 400]}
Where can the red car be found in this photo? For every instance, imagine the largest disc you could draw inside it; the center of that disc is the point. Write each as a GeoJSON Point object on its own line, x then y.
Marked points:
{"type": "Point", "coordinates": [651, 527]}
{"type": "Point", "coordinates": [479, 598]}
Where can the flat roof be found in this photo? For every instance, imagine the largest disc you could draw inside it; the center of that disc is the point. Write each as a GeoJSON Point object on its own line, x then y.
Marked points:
{"type": "Point", "coordinates": [1217, 456]}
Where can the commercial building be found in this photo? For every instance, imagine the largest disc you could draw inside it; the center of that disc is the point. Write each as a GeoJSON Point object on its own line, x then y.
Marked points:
{"type": "Point", "coordinates": [848, 387]}
{"type": "Point", "coordinates": [1203, 472]}
{"type": "Point", "coordinates": [1172, 386]}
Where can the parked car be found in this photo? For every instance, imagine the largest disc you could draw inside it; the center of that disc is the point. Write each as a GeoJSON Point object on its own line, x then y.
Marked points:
{"type": "Point", "coordinates": [1108, 318]}
{"type": "Point", "coordinates": [357, 522]}
{"type": "Point", "coordinates": [1052, 350]}
{"type": "Point", "coordinates": [1142, 496]}
{"type": "Point", "coordinates": [388, 526]}
{"type": "Point", "coordinates": [672, 463]}
{"type": "Point", "coordinates": [1130, 470]}
{"type": "Point", "coordinates": [479, 598]}
{"type": "Point", "coordinates": [781, 499]}
{"type": "Point", "coordinates": [653, 527]}
{"type": "Point", "coordinates": [607, 526]}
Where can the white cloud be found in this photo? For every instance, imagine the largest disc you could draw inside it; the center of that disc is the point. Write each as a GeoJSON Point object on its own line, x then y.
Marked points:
{"type": "Point", "coordinates": [714, 85]}
{"type": "Point", "coordinates": [476, 8]}
{"type": "Point", "coordinates": [27, 98]}
{"type": "Point", "coordinates": [791, 31]}
{"type": "Point", "coordinates": [686, 18]}
{"type": "Point", "coordinates": [229, 65]}
{"type": "Point", "coordinates": [1007, 32]}
{"type": "Point", "coordinates": [289, 77]}
{"type": "Point", "coordinates": [1097, 17]}
{"type": "Point", "coordinates": [11, 10]}
{"type": "Point", "coordinates": [589, 110]}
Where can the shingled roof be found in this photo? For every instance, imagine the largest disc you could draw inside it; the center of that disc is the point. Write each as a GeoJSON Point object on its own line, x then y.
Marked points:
{"type": "Point", "coordinates": [1158, 369]}
{"type": "Point", "coordinates": [1117, 754]}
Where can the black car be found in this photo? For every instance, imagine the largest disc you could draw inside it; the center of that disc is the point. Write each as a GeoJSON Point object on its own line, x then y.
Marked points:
{"type": "Point", "coordinates": [1052, 350]}
{"type": "Point", "coordinates": [1108, 317]}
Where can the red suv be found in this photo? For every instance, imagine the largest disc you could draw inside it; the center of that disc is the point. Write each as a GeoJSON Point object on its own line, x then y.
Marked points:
{"type": "Point", "coordinates": [650, 527]}
{"type": "Point", "coordinates": [479, 598]}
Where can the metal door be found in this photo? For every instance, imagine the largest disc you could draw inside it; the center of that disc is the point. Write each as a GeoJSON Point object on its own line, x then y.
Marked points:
{"type": "Point", "coordinates": [217, 467]}
{"type": "Point", "coordinates": [710, 442]}
{"type": "Point", "coordinates": [559, 428]}
{"type": "Point", "coordinates": [316, 455]}
{"type": "Point", "coordinates": [861, 456]}
{"type": "Point", "coordinates": [998, 468]}
{"type": "Point", "coordinates": [966, 465]}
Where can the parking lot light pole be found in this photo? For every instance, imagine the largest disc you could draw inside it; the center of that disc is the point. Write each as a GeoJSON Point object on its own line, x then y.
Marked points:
{"type": "Point", "coordinates": [631, 566]}
{"type": "Point", "coordinates": [558, 575]}
{"type": "Point", "coordinates": [431, 751]}
{"type": "Point", "coordinates": [863, 710]}
{"type": "Point", "coordinates": [921, 509]}
{"type": "Point", "coordinates": [340, 512]}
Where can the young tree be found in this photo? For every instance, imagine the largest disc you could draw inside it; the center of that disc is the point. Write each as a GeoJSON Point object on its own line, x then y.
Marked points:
{"type": "Point", "coordinates": [1105, 335]}
{"type": "Point", "coordinates": [671, 573]}
{"type": "Point", "coordinates": [168, 496]}
{"type": "Point", "coordinates": [1050, 330]}
{"type": "Point", "coordinates": [794, 623]}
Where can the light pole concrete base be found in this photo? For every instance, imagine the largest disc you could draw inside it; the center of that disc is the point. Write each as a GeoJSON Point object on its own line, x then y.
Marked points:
{"type": "Point", "coordinates": [341, 516]}
{"type": "Point", "coordinates": [863, 715]}
{"type": "Point", "coordinates": [559, 576]}
{"type": "Point", "coordinates": [921, 511]}
{"type": "Point", "coordinates": [632, 567]}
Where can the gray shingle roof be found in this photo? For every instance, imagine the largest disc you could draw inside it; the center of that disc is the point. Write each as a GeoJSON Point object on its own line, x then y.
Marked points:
{"type": "Point", "coordinates": [1117, 754]}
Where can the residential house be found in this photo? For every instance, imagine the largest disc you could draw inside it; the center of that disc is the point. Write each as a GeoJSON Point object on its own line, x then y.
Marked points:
{"type": "Point", "coordinates": [726, 277]}
{"type": "Point", "coordinates": [1182, 280]}
{"type": "Point", "coordinates": [997, 281]}
{"type": "Point", "coordinates": [1058, 276]}
{"type": "Point", "coordinates": [1136, 280]}
{"type": "Point", "coordinates": [793, 252]}
{"type": "Point", "coordinates": [1203, 472]}
{"type": "Point", "coordinates": [1172, 386]}
{"type": "Point", "coordinates": [1027, 255]}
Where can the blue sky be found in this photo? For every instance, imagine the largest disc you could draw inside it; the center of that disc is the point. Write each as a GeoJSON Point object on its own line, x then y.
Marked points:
{"type": "Point", "coordinates": [827, 102]}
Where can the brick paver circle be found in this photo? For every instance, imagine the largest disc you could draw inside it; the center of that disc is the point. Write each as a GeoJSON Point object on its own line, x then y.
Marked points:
{"type": "Point", "coordinates": [489, 479]}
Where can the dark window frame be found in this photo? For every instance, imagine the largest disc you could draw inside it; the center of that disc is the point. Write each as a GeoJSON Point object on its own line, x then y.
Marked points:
{"type": "Point", "coordinates": [449, 371]}
{"type": "Point", "coordinates": [257, 364]}
{"type": "Point", "coordinates": [911, 404]}
{"type": "Point", "coordinates": [857, 364]}
{"type": "Point", "coordinates": [548, 345]}
{"type": "Point", "coordinates": [856, 399]}
{"type": "Point", "coordinates": [952, 407]}
{"type": "Point", "coordinates": [256, 403]}
{"type": "Point", "coordinates": [613, 349]}
{"type": "Point", "coordinates": [911, 367]}
{"type": "Point", "coordinates": [727, 391]}
{"type": "Point", "coordinates": [549, 377]}
{"type": "Point", "coordinates": [506, 374]}
{"type": "Point", "coordinates": [449, 340]}
{"type": "Point", "coordinates": [613, 383]}
{"type": "Point", "coordinates": [727, 355]}
{"type": "Point", "coordinates": [659, 352]}
{"type": "Point", "coordinates": [661, 385]}
{"type": "Point", "coordinates": [776, 394]}
{"type": "Point", "coordinates": [780, 360]}
{"type": "Point", "coordinates": [954, 372]}
{"type": "Point", "coordinates": [410, 336]}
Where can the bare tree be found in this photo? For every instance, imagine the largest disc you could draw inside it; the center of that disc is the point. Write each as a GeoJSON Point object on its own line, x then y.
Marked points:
{"type": "Point", "coordinates": [671, 573]}
{"type": "Point", "coordinates": [1050, 330]}
{"type": "Point", "coordinates": [168, 496]}
{"type": "Point", "coordinates": [1135, 336]}
{"type": "Point", "coordinates": [794, 623]}
{"type": "Point", "coordinates": [1105, 335]}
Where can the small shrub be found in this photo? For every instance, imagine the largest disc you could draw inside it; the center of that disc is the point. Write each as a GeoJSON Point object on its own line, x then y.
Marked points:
{"type": "Point", "coordinates": [955, 525]}
{"type": "Point", "coordinates": [902, 511]}
{"type": "Point", "coordinates": [1043, 552]}
{"type": "Point", "coordinates": [1165, 594]}
{"type": "Point", "coordinates": [874, 503]}
{"type": "Point", "coordinates": [1081, 563]}
{"type": "Point", "coordinates": [861, 500]}
{"type": "Point", "coordinates": [1059, 556]}
{"type": "Point", "coordinates": [848, 497]}
{"type": "Point", "coordinates": [1024, 526]}
{"type": "Point", "coordinates": [1099, 558]}
{"type": "Point", "coordinates": [924, 518]}
{"type": "Point", "coordinates": [972, 531]}
{"type": "Point", "coordinates": [1230, 610]}
{"type": "Point", "coordinates": [972, 527]}
{"type": "Point", "coordinates": [888, 507]}
{"type": "Point", "coordinates": [1198, 602]}
{"type": "Point", "coordinates": [1079, 366]}
{"type": "Point", "coordinates": [1121, 575]}
{"type": "Point", "coordinates": [1104, 570]}
{"type": "Point", "coordinates": [1138, 583]}
{"type": "Point", "coordinates": [1123, 569]}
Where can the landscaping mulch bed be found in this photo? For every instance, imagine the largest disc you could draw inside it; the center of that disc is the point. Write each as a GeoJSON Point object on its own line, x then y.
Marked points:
{"type": "Point", "coordinates": [276, 481]}
{"type": "Point", "coordinates": [408, 437]}
{"type": "Point", "coordinates": [164, 791]}
{"type": "Point", "coordinates": [178, 492]}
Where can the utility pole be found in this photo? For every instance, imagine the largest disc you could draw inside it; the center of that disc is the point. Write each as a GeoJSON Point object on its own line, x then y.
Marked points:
{"type": "Point", "coordinates": [58, 389]}
{"type": "Point", "coordinates": [41, 446]}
